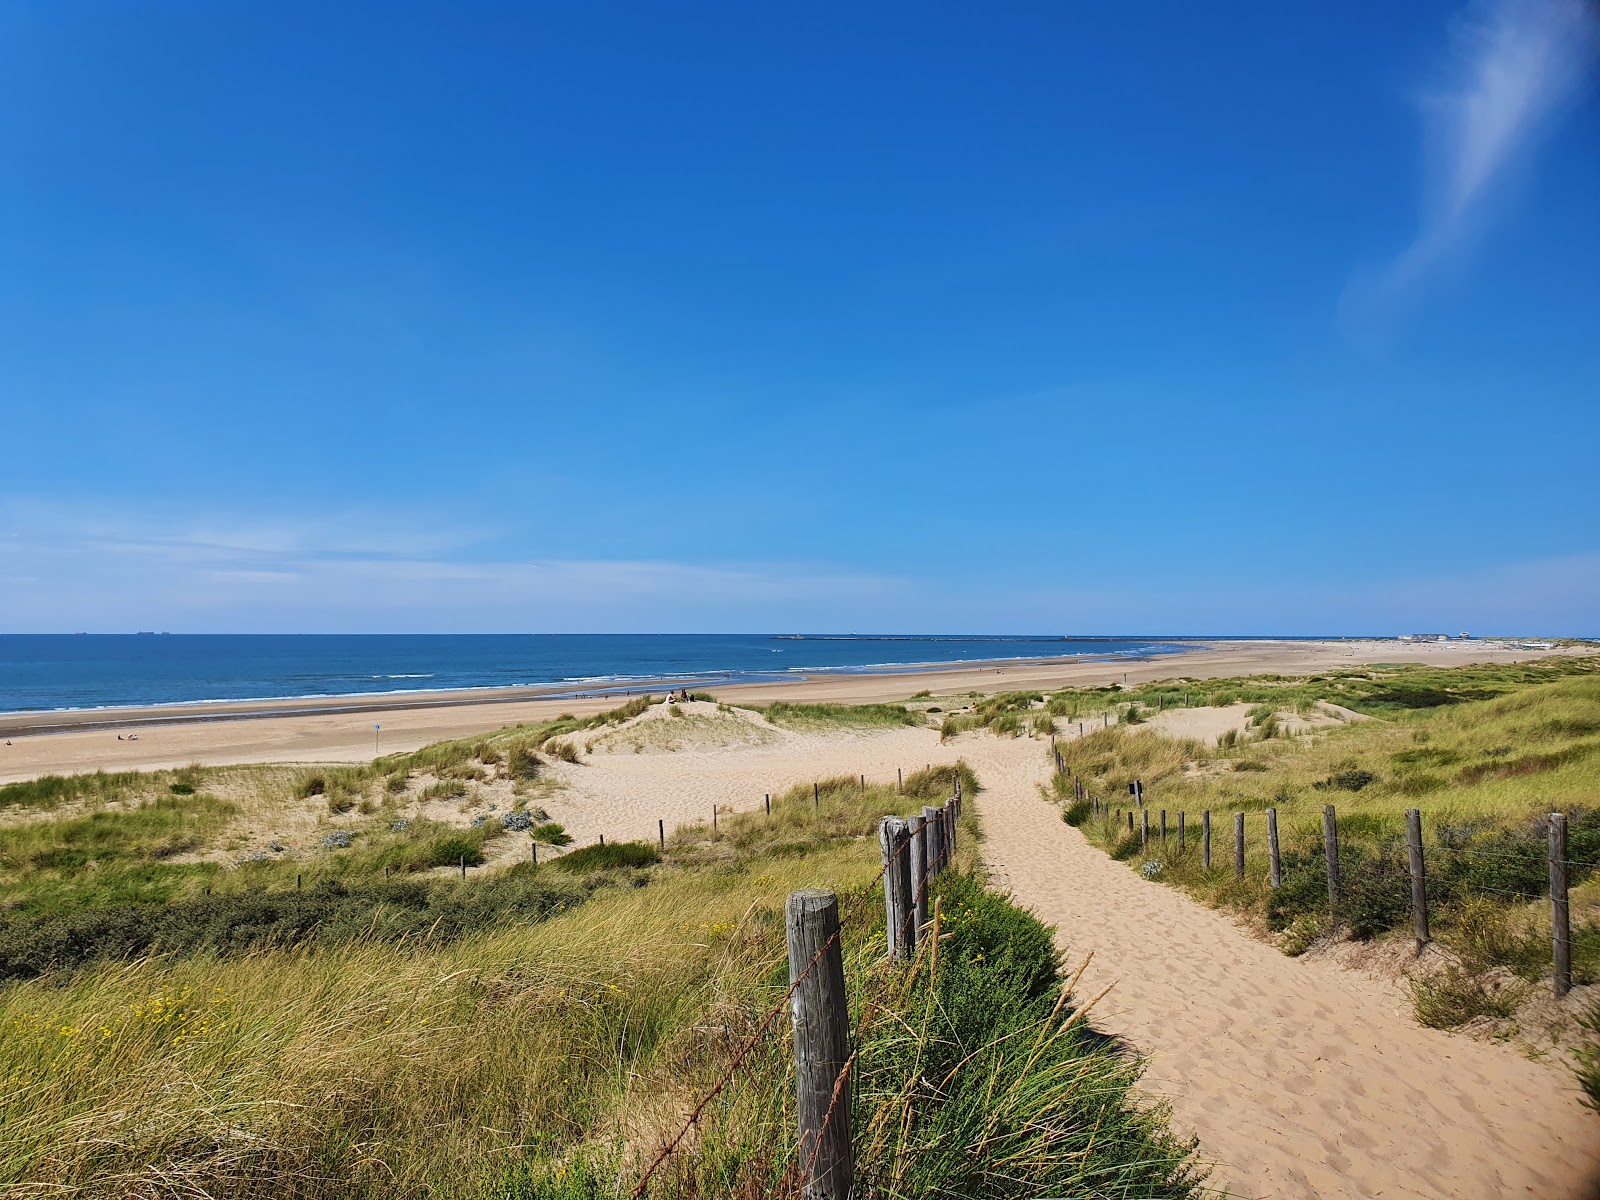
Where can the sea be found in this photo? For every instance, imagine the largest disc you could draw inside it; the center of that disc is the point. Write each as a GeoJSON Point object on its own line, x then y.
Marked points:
{"type": "Point", "coordinates": [57, 672]}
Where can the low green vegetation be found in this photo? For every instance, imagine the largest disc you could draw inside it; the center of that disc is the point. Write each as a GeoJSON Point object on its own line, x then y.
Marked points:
{"type": "Point", "coordinates": [863, 716]}
{"type": "Point", "coordinates": [536, 1031]}
{"type": "Point", "coordinates": [1485, 754]}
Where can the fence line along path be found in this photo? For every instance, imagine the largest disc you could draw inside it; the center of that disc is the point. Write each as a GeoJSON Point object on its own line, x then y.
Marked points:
{"type": "Point", "coordinates": [1302, 1078]}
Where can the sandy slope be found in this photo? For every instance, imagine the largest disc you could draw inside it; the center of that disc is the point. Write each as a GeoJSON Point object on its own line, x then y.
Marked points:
{"type": "Point", "coordinates": [1300, 1078]}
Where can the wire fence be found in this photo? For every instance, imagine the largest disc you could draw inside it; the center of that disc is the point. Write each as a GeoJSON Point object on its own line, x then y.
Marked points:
{"type": "Point", "coordinates": [1521, 876]}
{"type": "Point", "coordinates": [924, 833]}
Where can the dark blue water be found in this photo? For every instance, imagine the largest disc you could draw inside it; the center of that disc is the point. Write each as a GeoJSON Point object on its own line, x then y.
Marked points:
{"type": "Point", "coordinates": [62, 671]}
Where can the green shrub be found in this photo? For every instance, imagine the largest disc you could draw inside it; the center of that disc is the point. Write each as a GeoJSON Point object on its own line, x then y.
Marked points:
{"type": "Point", "coordinates": [1352, 779]}
{"type": "Point", "coordinates": [326, 914]}
{"type": "Point", "coordinates": [610, 856]}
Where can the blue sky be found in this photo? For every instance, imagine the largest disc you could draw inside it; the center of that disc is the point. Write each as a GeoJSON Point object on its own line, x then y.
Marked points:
{"type": "Point", "coordinates": [726, 317]}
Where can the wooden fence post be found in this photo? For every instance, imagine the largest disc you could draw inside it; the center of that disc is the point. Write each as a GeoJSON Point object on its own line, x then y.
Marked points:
{"type": "Point", "coordinates": [1560, 913]}
{"type": "Point", "coordinates": [1275, 863]}
{"type": "Point", "coordinates": [1183, 835]}
{"type": "Point", "coordinates": [1419, 884]}
{"type": "Point", "coordinates": [816, 795]}
{"type": "Point", "coordinates": [893, 837]}
{"type": "Point", "coordinates": [821, 1017]}
{"type": "Point", "coordinates": [863, 783]}
{"type": "Point", "coordinates": [935, 834]}
{"type": "Point", "coordinates": [1205, 836]}
{"type": "Point", "coordinates": [533, 852]}
{"type": "Point", "coordinates": [949, 829]}
{"type": "Point", "coordinates": [919, 874]}
{"type": "Point", "coordinates": [769, 804]}
{"type": "Point", "coordinates": [1330, 847]}
{"type": "Point", "coordinates": [900, 779]}
{"type": "Point", "coordinates": [1163, 827]}
{"type": "Point", "coordinates": [1144, 829]}
{"type": "Point", "coordinates": [1130, 820]}
{"type": "Point", "coordinates": [713, 825]}
{"type": "Point", "coordinates": [1238, 844]}
{"type": "Point", "coordinates": [463, 866]}
{"type": "Point", "coordinates": [661, 832]}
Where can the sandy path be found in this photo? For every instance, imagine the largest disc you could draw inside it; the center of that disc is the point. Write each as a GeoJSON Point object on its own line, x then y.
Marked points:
{"type": "Point", "coordinates": [1300, 1078]}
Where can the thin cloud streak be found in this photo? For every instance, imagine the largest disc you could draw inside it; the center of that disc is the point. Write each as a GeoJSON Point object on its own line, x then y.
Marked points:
{"type": "Point", "coordinates": [90, 573]}
{"type": "Point", "coordinates": [1513, 67]}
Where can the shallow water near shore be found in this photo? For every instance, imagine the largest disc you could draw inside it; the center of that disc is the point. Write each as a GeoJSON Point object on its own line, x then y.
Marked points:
{"type": "Point", "coordinates": [53, 672]}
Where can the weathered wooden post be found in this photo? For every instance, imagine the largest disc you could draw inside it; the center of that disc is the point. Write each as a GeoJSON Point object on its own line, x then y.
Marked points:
{"type": "Point", "coordinates": [1144, 828]}
{"type": "Point", "coordinates": [661, 832]}
{"type": "Point", "coordinates": [1330, 847]}
{"type": "Point", "coordinates": [950, 829]}
{"type": "Point", "coordinates": [900, 779]}
{"type": "Point", "coordinates": [1275, 869]}
{"type": "Point", "coordinates": [1183, 834]}
{"type": "Point", "coordinates": [463, 866]}
{"type": "Point", "coordinates": [713, 825]}
{"type": "Point", "coordinates": [297, 883]}
{"type": "Point", "coordinates": [1130, 820]}
{"type": "Point", "coordinates": [1560, 912]}
{"type": "Point", "coordinates": [863, 783]}
{"type": "Point", "coordinates": [1238, 844]}
{"type": "Point", "coordinates": [935, 849]}
{"type": "Point", "coordinates": [821, 1016]}
{"type": "Point", "coordinates": [769, 804]}
{"type": "Point", "coordinates": [893, 839]}
{"type": "Point", "coordinates": [816, 795]}
{"type": "Point", "coordinates": [533, 852]}
{"type": "Point", "coordinates": [1205, 837]}
{"type": "Point", "coordinates": [1419, 884]}
{"type": "Point", "coordinates": [919, 873]}
{"type": "Point", "coordinates": [1163, 827]}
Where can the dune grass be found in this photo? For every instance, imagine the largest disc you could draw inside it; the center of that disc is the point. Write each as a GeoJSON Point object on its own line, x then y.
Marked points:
{"type": "Point", "coordinates": [539, 1032]}
{"type": "Point", "coordinates": [1484, 768]}
{"type": "Point", "coordinates": [821, 716]}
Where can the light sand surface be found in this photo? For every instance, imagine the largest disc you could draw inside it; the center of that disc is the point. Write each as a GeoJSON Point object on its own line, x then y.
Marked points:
{"type": "Point", "coordinates": [1301, 1079]}
{"type": "Point", "coordinates": [197, 735]}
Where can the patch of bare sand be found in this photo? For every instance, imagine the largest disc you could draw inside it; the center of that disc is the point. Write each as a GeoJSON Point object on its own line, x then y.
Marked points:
{"type": "Point", "coordinates": [1301, 1079]}
{"type": "Point", "coordinates": [624, 794]}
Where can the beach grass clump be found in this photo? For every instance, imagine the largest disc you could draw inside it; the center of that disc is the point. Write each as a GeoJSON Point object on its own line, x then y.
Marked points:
{"type": "Point", "coordinates": [859, 716]}
{"type": "Point", "coordinates": [609, 856]}
{"type": "Point", "coordinates": [50, 792]}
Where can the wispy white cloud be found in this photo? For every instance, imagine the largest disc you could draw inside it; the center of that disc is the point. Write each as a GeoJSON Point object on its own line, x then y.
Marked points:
{"type": "Point", "coordinates": [1513, 66]}
{"type": "Point", "coordinates": [63, 570]}
{"type": "Point", "coordinates": [71, 569]}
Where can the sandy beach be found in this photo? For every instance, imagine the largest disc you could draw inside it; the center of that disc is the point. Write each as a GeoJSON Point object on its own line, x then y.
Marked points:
{"type": "Point", "coordinates": [340, 729]}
